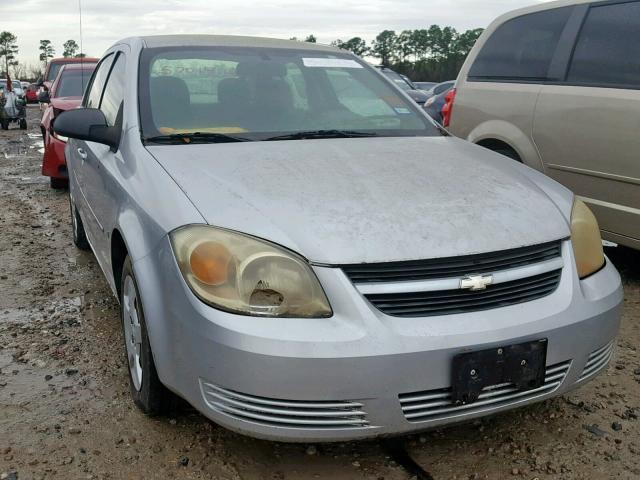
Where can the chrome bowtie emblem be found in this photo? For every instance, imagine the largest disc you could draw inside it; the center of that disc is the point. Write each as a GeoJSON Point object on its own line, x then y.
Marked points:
{"type": "Point", "coordinates": [476, 282]}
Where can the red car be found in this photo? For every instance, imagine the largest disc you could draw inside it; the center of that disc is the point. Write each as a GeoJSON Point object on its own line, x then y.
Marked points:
{"type": "Point", "coordinates": [65, 94]}
{"type": "Point", "coordinates": [31, 93]}
{"type": "Point", "coordinates": [54, 66]}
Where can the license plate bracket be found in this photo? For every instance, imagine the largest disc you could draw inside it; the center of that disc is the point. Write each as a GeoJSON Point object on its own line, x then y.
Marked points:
{"type": "Point", "coordinates": [522, 365]}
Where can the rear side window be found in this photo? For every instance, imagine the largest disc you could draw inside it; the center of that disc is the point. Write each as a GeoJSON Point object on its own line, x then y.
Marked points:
{"type": "Point", "coordinates": [608, 47]}
{"type": "Point", "coordinates": [521, 48]}
{"type": "Point", "coordinates": [97, 84]}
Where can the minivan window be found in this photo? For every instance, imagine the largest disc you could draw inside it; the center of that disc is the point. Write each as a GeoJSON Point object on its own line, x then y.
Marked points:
{"type": "Point", "coordinates": [608, 47]}
{"type": "Point", "coordinates": [97, 84]}
{"type": "Point", "coordinates": [521, 48]}
{"type": "Point", "coordinates": [260, 93]}
{"type": "Point", "coordinates": [114, 91]}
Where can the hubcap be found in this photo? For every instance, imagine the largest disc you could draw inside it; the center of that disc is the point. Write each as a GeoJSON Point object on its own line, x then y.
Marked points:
{"type": "Point", "coordinates": [132, 331]}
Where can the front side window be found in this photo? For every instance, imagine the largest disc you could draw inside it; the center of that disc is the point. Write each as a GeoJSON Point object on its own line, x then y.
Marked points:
{"type": "Point", "coordinates": [608, 47]}
{"type": "Point", "coordinates": [521, 48]}
{"type": "Point", "coordinates": [114, 91]}
{"type": "Point", "coordinates": [97, 84]}
{"type": "Point", "coordinates": [259, 93]}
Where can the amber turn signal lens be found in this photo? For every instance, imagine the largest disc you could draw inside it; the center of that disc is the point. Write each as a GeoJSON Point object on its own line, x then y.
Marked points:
{"type": "Point", "coordinates": [586, 240]}
{"type": "Point", "coordinates": [209, 263]}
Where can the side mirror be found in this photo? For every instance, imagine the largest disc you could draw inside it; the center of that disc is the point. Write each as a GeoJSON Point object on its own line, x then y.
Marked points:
{"type": "Point", "coordinates": [43, 96]}
{"type": "Point", "coordinates": [87, 124]}
{"type": "Point", "coordinates": [40, 82]}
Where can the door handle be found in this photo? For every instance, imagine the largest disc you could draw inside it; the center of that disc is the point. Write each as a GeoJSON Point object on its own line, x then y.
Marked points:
{"type": "Point", "coordinates": [82, 153]}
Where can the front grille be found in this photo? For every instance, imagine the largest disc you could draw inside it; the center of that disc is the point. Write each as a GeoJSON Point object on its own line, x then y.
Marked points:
{"type": "Point", "coordinates": [433, 404]}
{"type": "Point", "coordinates": [445, 302]}
{"type": "Point", "coordinates": [597, 360]}
{"type": "Point", "coordinates": [438, 268]}
{"type": "Point", "coordinates": [284, 413]}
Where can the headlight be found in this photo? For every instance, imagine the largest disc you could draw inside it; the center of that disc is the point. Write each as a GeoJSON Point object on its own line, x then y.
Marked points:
{"type": "Point", "coordinates": [586, 240]}
{"type": "Point", "coordinates": [246, 275]}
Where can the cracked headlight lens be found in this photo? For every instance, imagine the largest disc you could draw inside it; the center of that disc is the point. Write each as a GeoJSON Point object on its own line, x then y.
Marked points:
{"type": "Point", "coordinates": [246, 275]}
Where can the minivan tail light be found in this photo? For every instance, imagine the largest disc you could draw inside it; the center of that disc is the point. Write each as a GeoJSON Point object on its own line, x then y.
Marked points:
{"type": "Point", "coordinates": [447, 108]}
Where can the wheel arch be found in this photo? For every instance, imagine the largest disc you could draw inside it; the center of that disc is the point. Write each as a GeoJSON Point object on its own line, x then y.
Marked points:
{"type": "Point", "coordinates": [119, 252]}
{"type": "Point", "coordinates": [499, 133]}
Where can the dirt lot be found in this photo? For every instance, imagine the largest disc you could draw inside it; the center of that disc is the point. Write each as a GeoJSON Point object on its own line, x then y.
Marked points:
{"type": "Point", "coordinates": [65, 410]}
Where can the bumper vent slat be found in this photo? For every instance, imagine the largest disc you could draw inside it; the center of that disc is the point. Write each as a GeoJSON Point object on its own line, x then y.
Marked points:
{"type": "Point", "coordinates": [460, 301]}
{"type": "Point", "coordinates": [439, 268]}
{"type": "Point", "coordinates": [285, 413]}
{"type": "Point", "coordinates": [597, 361]}
{"type": "Point", "coordinates": [434, 404]}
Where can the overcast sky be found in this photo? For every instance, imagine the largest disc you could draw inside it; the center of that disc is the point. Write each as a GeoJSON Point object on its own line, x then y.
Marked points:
{"type": "Point", "coordinates": [105, 21]}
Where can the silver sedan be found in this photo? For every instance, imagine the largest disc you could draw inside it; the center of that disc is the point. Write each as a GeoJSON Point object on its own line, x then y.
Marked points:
{"type": "Point", "coordinates": [303, 255]}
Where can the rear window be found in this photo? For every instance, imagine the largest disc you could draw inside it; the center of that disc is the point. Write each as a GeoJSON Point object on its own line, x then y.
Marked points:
{"type": "Point", "coordinates": [521, 48]}
{"type": "Point", "coordinates": [608, 47]}
{"type": "Point", "coordinates": [72, 83]}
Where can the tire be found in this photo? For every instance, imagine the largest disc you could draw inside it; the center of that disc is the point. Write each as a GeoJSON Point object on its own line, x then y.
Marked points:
{"type": "Point", "coordinates": [148, 392]}
{"type": "Point", "coordinates": [79, 235]}
{"type": "Point", "coordinates": [58, 183]}
{"type": "Point", "coordinates": [4, 124]}
{"type": "Point", "coordinates": [23, 124]}
{"type": "Point", "coordinates": [507, 152]}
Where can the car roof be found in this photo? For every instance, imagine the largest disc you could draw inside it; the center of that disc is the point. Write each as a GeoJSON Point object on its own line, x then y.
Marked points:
{"type": "Point", "coordinates": [73, 60]}
{"type": "Point", "coordinates": [539, 7]}
{"type": "Point", "coordinates": [88, 65]}
{"type": "Point", "coordinates": [154, 41]}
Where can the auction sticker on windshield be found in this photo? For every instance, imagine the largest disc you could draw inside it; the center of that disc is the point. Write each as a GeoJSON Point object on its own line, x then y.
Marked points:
{"type": "Point", "coordinates": [330, 63]}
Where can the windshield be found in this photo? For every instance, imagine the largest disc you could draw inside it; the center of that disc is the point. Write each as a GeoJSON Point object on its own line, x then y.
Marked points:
{"type": "Point", "coordinates": [72, 83]}
{"type": "Point", "coordinates": [263, 93]}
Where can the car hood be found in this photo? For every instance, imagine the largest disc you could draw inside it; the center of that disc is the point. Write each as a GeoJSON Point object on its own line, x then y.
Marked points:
{"type": "Point", "coordinates": [66, 103]}
{"type": "Point", "coordinates": [361, 200]}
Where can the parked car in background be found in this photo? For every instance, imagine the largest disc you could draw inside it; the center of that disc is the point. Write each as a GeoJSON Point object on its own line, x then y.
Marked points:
{"type": "Point", "coordinates": [557, 87]}
{"type": "Point", "coordinates": [12, 105]}
{"type": "Point", "coordinates": [66, 93]}
{"type": "Point", "coordinates": [433, 106]}
{"type": "Point", "coordinates": [438, 88]}
{"type": "Point", "coordinates": [405, 84]}
{"type": "Point", "coordinates": [424, 85]}
{"type": "Point", "coordinates": [16, 86]}
{"type": "Point", "coordinates": [303, 255]}
{"type": "Point", "coordinates": [54, 65]}
{"type": "Point", "coordinates": [31, 93]}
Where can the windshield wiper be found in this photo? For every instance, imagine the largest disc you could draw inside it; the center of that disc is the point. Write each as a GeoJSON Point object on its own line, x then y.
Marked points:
{"type": "Point", "coordinates": [195, 137]}
{"type": "Point", "coordinates": [321, 134]}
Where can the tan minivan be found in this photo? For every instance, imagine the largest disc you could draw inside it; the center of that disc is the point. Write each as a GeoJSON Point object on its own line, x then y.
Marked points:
{"type": "Point", "coordinates": [557, 86]}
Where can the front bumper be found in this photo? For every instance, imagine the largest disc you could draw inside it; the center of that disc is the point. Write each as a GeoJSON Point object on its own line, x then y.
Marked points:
{"type": "Point", "coordinates": [361, 373]}
{"type": "Point", "coordinates": [54, 162]}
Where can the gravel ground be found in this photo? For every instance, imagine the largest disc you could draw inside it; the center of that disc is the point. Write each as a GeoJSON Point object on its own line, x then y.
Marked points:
{"type": "Point", "coordinates": [65, 410]}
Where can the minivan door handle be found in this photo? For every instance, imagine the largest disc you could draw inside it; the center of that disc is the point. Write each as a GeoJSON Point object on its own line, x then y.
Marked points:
{"type": "Point", "coordinates": [82, 153]}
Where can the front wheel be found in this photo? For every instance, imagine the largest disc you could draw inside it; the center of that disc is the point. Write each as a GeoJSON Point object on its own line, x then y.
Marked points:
{"type": "Point", "coordinates": [58, 183]}
{"type": "Point", "coordinates": [23, 124]}
{"type": "Point", "coordinates": [4, 124]}
{"type": "Point", "coordinates": [148, 392]}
